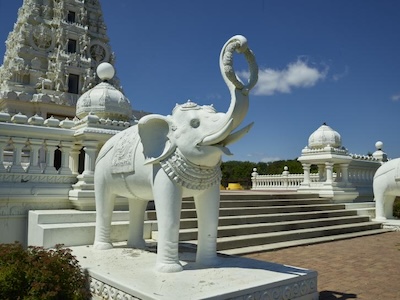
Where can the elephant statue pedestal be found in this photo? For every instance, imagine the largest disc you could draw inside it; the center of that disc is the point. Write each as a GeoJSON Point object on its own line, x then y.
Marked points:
{"type": "Point", "coordinates": [123, 273]}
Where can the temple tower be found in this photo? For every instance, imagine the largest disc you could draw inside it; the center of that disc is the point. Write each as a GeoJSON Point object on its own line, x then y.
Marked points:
{"type": "Point", "coordinates": [51, 57]}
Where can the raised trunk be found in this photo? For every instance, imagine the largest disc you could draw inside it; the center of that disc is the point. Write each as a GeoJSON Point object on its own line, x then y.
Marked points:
{"type": "Point", "coordinates": [238, 90]}
{"type": "Point", "coordinates": [239, 93]}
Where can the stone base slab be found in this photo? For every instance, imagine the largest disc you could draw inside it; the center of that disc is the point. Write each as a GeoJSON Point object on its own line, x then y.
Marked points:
{"type": "Point", "coordinates": [337, 194]}
{"type": "Point", "coordinates": [69, 227]}
{"type": "Point", "coordinates": [392, 224]}
{"type": "Point", "coordinates": [124, 273]}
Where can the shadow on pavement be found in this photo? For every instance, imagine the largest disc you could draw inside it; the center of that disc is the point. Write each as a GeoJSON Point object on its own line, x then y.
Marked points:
{"type": "Point", "coordinates": [330, 295]}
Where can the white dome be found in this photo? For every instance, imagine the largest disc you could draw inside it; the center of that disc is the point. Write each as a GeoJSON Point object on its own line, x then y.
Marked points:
{"type": "Point", "coordinates": [104, 100]}
{"type": "Point", "coordinates": [324, 136]}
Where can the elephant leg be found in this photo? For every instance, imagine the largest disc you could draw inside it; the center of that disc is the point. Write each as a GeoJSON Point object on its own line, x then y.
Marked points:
{"type": "Point", "coordinates": [386, 209]}
{"type": "Point", "coordinates": [207, 207]}
{"type": "Point", "coordinates": [167, 198]}
{"type": "Point", "coordinates": [104, 210]}
{"type": "Point", "coordinates": [137, 209]}
{"type": "Point", "coordinates": [379, 207]}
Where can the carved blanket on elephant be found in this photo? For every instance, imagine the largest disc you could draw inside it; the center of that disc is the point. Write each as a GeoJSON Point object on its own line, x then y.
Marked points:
{"type": "Point", "coordinates": [397, 174]}
{"type": "Point", "coordinates": [123, 160]}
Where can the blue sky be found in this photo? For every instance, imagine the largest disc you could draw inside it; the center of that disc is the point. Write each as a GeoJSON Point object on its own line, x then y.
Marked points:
{"type": "Point", "coordinates": [320, 61]}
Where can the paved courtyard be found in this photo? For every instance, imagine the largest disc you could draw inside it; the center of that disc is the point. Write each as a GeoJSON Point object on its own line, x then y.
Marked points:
{"type": "Point", "coordinates": [359, 268]}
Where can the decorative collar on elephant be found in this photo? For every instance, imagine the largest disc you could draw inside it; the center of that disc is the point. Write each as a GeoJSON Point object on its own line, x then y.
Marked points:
{"type": "Point", "coordinates": [190, 175]}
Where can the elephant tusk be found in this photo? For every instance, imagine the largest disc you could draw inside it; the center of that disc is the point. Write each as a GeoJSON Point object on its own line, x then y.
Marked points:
{"type": "Point", "coordinates": [219, 136]}
{"type": "Point", "coordinates": [237, 135]}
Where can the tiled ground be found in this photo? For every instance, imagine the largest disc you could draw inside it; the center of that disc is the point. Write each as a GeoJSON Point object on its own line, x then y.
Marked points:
{"type": "Point", "coordinates": [360, 268]}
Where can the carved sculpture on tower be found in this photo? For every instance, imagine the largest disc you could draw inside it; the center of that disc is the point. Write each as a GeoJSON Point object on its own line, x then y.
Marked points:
{"type": "Point", "coordinates": [51, 55]}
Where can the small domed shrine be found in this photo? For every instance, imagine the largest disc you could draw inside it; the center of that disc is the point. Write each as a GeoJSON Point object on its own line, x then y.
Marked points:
{"type": "Point", "coordinates": [104, 100]}
{"type": "Point", "coordinates": [325, 150]}
{"type": "Point", "coordinates": [324, 136]}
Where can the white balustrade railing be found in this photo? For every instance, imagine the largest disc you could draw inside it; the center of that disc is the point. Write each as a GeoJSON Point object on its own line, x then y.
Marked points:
{"type": "Point", "coordinates": [284, 181]}
{"type": "Point", "coordinates": [27, 150]}
{"type": "Point", "coordinates": [33, 146]}
{"type": "Point", "coordinates": [361, 172]}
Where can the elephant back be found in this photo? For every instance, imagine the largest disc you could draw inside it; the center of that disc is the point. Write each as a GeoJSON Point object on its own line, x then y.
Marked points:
{"type": "Point", "coordinates": [390, 166]}
{"type": "Point", "coordinates": [121, 147]}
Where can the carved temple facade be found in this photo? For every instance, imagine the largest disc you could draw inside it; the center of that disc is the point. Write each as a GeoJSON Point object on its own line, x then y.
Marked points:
{"type": "Point", "coordinates": [55, 111]}
{"type": "Point", "coordinates": [51, 56]}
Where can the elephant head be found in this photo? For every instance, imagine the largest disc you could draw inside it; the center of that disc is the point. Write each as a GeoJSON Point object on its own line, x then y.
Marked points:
{"type": "Point", "coordinates": [200, 133]}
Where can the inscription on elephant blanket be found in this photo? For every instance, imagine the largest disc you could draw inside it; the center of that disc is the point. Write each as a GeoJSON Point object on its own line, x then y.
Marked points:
{"type": "Point", "coordinates": [124, 153]}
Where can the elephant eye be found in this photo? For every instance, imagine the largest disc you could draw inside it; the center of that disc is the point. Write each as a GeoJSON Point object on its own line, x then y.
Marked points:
{"type": "Point", "coordinates": [195, 123]}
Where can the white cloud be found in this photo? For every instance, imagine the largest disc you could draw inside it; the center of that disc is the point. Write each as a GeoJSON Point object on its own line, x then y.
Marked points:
{"type": "Point", "coordinates": [296, 75]}
{"type": "Point", "coordinates": [339, 76]}
{"type": "Point", "coordinates": [396, 97]}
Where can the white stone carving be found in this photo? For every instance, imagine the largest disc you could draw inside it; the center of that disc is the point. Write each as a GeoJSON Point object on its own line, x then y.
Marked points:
{"type": "Point", "coordinates": [98, 52]}
{"type": "Point", "coordinates": [124, 154]}
{"type": "Point", "coordinates": [386, 186]}
{"type": "Point", "coordinates": [292, 291]}
{"type": "Point", "coordinates": [42, 38]}
{"type": "Point", "coordinates": [189, 175]}
{"type": "Point", "coordinates": [107, 292]}
{"type": "Point", "coordinates": [178, 156]}
{"type": "Point", "coordinates": [42, 51]}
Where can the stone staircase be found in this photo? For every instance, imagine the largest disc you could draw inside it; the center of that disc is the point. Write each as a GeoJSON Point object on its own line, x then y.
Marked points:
{"type": "Point", "coordinates": [254, 222]}
{"type": "Point", "coordinates": [249, 222]}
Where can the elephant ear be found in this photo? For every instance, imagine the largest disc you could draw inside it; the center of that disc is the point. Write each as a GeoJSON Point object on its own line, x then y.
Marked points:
{"type": "Point", "coordinates": [153, 132]}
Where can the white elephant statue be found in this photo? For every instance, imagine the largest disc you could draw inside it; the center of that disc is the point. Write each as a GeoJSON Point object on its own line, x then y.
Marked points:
{"type": "Point", "coordinates": [386, 188]}
{"type": "Point", "coordinates": [169, 157]}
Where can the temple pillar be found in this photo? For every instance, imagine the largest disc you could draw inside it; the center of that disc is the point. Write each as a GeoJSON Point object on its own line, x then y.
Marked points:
{"type": "Point", "coordinates": [90, 158]}
{"type": "Point", "coordinates": [66, 148]}
{"type": "Point", "coordinates": [74, 158]}
{"type": "Point", "coordinates": [51, 147]}
{"type": "Point", "coordinates": [82, 194]}
{"type": "Point", "coordinates": [3, 144]}
{"type": "Point", "coordinates": [306, 169]}
{"type": "Point", "coordinates": [18, 144]}
{"type": "Point", "coordinates": [35, 145]}
{"type": "Point", "coordinates": [345, 173]}
{"type": "Point", "coordinates": [329, 172]}
{"type": "Point", "coordinates": [321, 173]}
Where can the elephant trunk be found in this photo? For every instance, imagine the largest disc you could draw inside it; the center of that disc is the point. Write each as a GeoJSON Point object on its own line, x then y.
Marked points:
{"type": "Point", "coordinates": [238, 90]}
{"type": "Point", "coordinates": [239, 93]}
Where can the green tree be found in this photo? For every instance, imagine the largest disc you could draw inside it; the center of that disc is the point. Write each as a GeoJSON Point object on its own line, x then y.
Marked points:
{"type": "Point", "coordinates": [240, 171]}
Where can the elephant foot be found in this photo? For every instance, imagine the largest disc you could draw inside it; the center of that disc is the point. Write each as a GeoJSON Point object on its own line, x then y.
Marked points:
{"type": "Point", "coordinates": [102, 246]}
{"type": "Point", "coordinates": [208, 261]}
{"type": "Point", "coordinates": [380, 219]}
{"type": "Point", "coordinates": [141, 244]}
{"type": "Point", "coordinates": [169, 268]}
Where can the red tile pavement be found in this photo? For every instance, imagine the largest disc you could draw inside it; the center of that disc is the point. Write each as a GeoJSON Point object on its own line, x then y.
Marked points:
{"type": "Point", "coordinates": [359, 268]}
